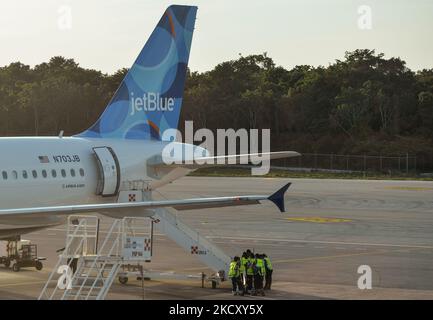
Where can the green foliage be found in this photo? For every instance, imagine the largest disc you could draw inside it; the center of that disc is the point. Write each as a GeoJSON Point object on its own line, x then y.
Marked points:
{"type": "Point", "coordinates": [53, 96]}
{"type": "Point", "coordinates": [364, 103]}
{"type": "Point", "coordinates": [281, 173]}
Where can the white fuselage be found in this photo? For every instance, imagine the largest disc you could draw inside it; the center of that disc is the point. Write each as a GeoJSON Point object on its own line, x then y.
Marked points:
{"type": "Point", "coordinates": [49, 171]}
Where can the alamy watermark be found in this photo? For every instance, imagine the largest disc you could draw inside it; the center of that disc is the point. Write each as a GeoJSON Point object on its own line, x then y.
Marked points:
{"type": "Point", "coordinates": [232, 147]}
{"type": "Point", "coordinates": [65, 280]}
{"type": "Point", "coordinates": [365, 18]}
{"type": "Point", "coordinates": [64, 18]}
{"type": "Point", "coordinates": [365, 280]}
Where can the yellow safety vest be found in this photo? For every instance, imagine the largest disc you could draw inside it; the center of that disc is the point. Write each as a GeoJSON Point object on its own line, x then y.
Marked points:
{"type": "Point", "coordinates": [243, 265]}
{"type": "Point", "coordinates": [268, 263]}
{"type": "Point", "coordinates": [233, 270]}
{"type": "Point", "coordinates": [260, 267]}
{"type": "Point", "coordinates": [250, 269]}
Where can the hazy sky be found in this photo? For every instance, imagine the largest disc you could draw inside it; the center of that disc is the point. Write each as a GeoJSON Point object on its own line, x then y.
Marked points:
{"type": "Point", "coordinates": [108, 34]}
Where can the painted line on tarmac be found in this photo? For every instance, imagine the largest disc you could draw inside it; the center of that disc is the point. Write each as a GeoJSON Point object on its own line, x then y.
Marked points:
{"type": "Point", "coordinates": [21, 284]}
{"type": "Point", "coordinates": [330, 257]}
{"type": "Point", "coordinates": [325, 242]}
{"type": "Point", "coordinates": [342, 255]}
{"type": "Point", "coordinates": [408, 188]}
{"type": "Point", "coordinates": [365, 253]}
{"type": "Point", "coordinates": [261, 244]}
{"type": "Point", "coordinates": [318, 219]}
{"type": "Point", "coordinates": [314, 258]}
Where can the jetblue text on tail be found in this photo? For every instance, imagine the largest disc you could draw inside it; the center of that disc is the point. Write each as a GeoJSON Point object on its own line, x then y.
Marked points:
{"type": "Point", "coordinates": [149, 98]}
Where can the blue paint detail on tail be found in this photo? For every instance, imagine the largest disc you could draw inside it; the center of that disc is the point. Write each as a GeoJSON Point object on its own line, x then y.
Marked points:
{"type": "Point", "coordinates": [149, 99]}
{"type": "Point", "coordinates": [278, 197]}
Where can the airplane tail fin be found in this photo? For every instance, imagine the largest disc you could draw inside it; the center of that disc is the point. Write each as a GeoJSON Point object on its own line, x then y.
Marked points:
{"type": "Point", "coordinates": [149, 98]}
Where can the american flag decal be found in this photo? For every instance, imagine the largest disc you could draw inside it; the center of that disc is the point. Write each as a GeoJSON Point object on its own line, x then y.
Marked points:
{"type": "Point", "coordinates": [44, 159]}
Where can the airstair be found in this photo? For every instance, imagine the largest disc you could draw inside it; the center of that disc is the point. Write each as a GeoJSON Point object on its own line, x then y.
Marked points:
{"type": "Point", "coordinates": [86, 272]}
{"type": "Point", "coordinates": [194, 243]}
{"type": "Point", "coordinates": [190, 240]}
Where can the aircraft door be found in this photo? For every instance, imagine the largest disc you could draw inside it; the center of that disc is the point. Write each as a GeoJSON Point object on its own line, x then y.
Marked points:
{"type": "Point", "coordinates": [109, 171]}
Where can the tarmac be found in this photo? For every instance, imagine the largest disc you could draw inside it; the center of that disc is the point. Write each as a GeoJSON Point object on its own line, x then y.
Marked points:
{"type": "Point", "coordinates": [330, 229]}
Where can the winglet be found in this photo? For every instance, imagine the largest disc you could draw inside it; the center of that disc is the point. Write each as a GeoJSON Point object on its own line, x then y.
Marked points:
{"type": "Point", "coordinates": [278, 197]}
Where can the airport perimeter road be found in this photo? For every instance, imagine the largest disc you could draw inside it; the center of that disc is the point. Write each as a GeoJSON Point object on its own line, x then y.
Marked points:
{"type": "Point", "coordinates": [331, 227]}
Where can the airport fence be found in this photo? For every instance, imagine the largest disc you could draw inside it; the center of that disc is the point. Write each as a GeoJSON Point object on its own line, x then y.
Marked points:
{"type": "Point", "coordinates": [358, 163]}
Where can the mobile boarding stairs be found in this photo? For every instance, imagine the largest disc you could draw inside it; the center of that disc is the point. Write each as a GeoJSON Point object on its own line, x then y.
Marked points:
{"type": "Point", "coordinates": [86, 271]}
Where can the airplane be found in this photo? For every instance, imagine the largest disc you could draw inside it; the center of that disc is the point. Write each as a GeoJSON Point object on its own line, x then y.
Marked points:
{"type": "Point", "coordinates": [45, 179]}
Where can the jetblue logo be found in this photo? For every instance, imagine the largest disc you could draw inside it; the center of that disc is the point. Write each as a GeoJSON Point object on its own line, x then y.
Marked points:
{"type": "Point", "coordinates": [151, 101]}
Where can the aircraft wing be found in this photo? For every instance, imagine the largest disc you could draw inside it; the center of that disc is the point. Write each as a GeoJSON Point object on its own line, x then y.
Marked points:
{"type": "Point", "coordinates": [135, 207]}
{"type": "Point", "coordinates": [200, 162]}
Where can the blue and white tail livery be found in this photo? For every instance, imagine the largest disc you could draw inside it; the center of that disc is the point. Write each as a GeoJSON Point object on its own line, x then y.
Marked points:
{"type": "Point", "coordinates": [45, 179]}
{"type": "Point", "coordinates": [149, 99]}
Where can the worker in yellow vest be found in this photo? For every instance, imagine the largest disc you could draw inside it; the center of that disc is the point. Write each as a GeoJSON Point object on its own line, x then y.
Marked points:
{"type": "Point", "coordinates": [249, 272]}
{"type": "Point", "coordinates": [269, 270]}
{"type": "Point", "coordinates": [243, 268]}
{"type": "Point", "coordinates": [234, 274]}
{"type": "Point", "coordinates": [259, 274]}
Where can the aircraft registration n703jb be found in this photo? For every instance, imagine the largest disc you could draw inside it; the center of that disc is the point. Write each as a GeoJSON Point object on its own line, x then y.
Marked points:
{"type": "Point", "coordinates": [45, 179]}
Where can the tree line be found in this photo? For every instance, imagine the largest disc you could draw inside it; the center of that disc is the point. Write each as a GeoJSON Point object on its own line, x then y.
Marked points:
{"type": "Point", "coordinates": [363, 104]}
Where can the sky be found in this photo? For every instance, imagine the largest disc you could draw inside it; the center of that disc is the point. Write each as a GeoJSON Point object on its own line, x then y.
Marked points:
{"type": "Point", "coordinates": [107, 35]}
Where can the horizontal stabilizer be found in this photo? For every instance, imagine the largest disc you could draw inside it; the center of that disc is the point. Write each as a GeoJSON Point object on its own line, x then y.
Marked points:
{"type": "Point", "coordinates": [201, 162]}
{"type": "Point", "coordinates": [241, 158]}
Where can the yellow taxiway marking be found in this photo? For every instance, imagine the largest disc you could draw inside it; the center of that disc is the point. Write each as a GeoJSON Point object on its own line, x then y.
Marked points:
{"type": "Point", "coordinates": [318, 219]}
{"type": "Point", "coordinates": [407, 188]}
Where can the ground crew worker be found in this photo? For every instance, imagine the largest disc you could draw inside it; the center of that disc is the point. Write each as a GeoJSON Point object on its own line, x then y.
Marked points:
{"type": "Point", "coordinates": [243, 268]}
{"type": "Point", "coordinates": [234, 274]}
{"type": "Point", "coordinates": [269, 270]}
{"type": "Point", "coordinates": [250, 272]}
{"type": "Point", "coordinates": [259, 274]}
